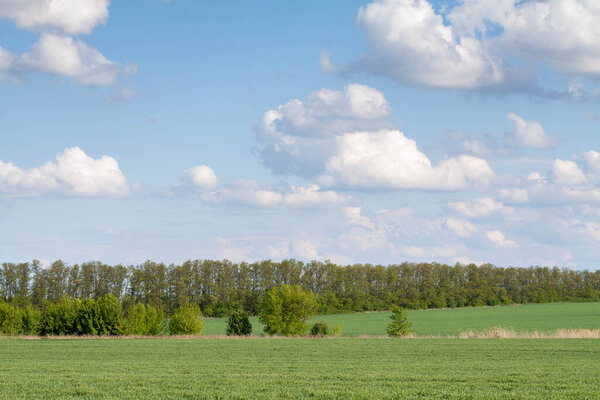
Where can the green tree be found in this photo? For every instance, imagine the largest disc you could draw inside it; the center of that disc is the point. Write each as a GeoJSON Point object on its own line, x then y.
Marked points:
{"type": "Point", "coordinates": [238, 324]}
{"type": "Point", "coordinates": [400, 326]}
{"type": "Point", "coordinates": [186, 320]}
{"type": "Point", "coordinates": [108, 318]}
{"type": "Point", "coordinates": [59, 318]}
{"type": "Point", "coordinates": [286, 308]}
{"type": "Point", "coordinates": [10, 319]}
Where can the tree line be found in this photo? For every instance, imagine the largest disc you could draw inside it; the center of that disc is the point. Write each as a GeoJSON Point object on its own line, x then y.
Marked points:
{"type": "Point", "coordinates": [219, 287]}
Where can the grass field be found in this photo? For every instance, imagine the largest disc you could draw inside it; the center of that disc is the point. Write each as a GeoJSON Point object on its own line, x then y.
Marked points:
{"type": "Point", "coordinates": [300, 368]}
{"type": "Point", "coordinates": [520, 318]}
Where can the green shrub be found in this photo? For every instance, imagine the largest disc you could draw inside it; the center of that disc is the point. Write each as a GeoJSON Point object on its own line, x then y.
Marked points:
{"type": "Point", "coordinates": [135, 320]}
{"type": "Point", "coordinates": [337, 329]}
{"type": "Point", "coordinates": [142, 320]}
{"type": "Point", "coordinates": [30, 318]}
{"type": "Point", "coordinates": [85, 323]}
{"type": "Point", "coordinates": [319, 329]}
{"type": "Point", "coordinates": [154, 320]}
{"type": "Point", "coordinates": [400, 326]}
{"type": "Point", "coordinates": [238, 324]}
{"type": "Point", "coordinates": [186, 320]}
{"type": "Point", "coordinates": [10, 319]}
{"type": "Point", "coordinates": [59, 318]}
{"type": "Point", "coordinates": [285, 310]}
{"type": "Point", "coordinates": [108, 316]}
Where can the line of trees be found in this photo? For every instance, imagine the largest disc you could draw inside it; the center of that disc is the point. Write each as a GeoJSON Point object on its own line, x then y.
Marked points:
{"type": "Point", "coordinates": [219, 287]}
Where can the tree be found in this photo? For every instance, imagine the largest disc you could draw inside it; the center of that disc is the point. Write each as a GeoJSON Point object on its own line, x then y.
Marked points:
{"type": "Point", "coordinates": [285, 310]}
{"type": "Point", "coordinates": [400, 326]}
{"type": "Point", "coordinates": [108, 318]}
{"type": "Point", "coordinates": [186, 320]}
{"type": "Point", "coordinates": [238, 324]}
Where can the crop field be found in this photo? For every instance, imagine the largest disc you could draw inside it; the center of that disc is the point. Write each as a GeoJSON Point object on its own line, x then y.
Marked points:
{"type": "Point", "coordinates": [520, 318]}
{"type": "Point", "coordinates": [300, 368]}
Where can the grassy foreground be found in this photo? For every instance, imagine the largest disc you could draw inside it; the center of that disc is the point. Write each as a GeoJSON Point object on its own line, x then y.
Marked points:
{"type": "Point", "coordinates": [299, 368]}
{"type": "Point", "coordinates": [451, 322]}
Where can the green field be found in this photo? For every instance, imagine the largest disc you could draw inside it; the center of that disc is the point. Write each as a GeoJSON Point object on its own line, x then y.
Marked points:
{"type": "Point", "coordinates": [300, 368]}
{"type": "Point", "coordinates": [520, 318]}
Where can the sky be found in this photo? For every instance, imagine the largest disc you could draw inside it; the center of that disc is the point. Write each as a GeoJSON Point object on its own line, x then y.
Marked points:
{"type": "Point", "coordinates": [353, 131]}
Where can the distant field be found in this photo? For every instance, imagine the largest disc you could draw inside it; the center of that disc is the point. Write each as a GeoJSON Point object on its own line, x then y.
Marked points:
{"type": "Point", "coordinates": [530, 317]}
{"type": "Point", "coordinates": [300, 368]}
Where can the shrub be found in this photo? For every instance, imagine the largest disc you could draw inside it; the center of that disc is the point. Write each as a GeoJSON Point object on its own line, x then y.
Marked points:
{"type": "Point", "coordinates": [30, 318]}
{"type": "Point", "coordinates": [10, 319]}
{"type": "Point", "coordinates": [186, 320]}
{"type": "Point", "coordinates": [238, 324]}
{"type": "Point", "coordinates": [285, 310]}
{"type": "Point", "coordinates": [154, 320]}
{"type": "Point", "coordinates": [142, 320]}
{"type": "Point", "coordinates": [135, 321]}
{"type": "Point", "coordinates": [319, 329]}
{"type": "Point", "coordinates": [400, 326]}
{"type": "Point", "coordinates": [108, 316]}
{"type": "Point", "coordinates": [85, 323]}
{"type": "Point", "coordinates": [59, 318]}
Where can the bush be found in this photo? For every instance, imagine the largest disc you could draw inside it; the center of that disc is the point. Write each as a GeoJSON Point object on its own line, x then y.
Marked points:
{"type": "Point", "coordinates": [85, 323]}
{"type": "Point", "coordinates": [135, 321]}
{"type": "Point", "coordinates": [30, 318]}
{"type": "Point", "coordinates": [59, 318]}
{"type": "Point", "coordinates": [285, 310]}
{"type": "Point", "coordinates": [142, 320]}
{"type": "Point", "coordinates": [319, 329]}
{"type": "Point", "coordinates": [186, 320]}
{"type": "Point", "coordinates": [238, 324]}
{"type": "Point", "coordinates": [108, 318]}
{"type": "Point", "coordinates": [10, 319]}
{"type": "Point", "coordinates": [400, 326]}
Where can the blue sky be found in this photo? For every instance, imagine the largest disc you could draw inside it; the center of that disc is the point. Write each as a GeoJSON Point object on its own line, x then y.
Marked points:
{"type": "Point", "coordinates": [354, 131]}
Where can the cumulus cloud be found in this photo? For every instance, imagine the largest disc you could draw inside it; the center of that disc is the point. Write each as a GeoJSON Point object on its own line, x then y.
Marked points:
{"type": "Point", "coordinates": [74, 173]}
{"type": "Point", "coordinates": [387, 159]}
{"type": "Point", "coordinates": [340, 138]}
{"type": "Point", "coordinates": [72, 17]}
{"type": "Point", "coordinates": [567, 181]}
{"type": "Point", "coordinates": [201, 176]}
{"type": "Point", "coordinates": [478, 43]}
{"type": "Point", "coordinates": [56, 52]}
{"type": "Point", "coordinates": [71, 58]}
{"type": "Point", "coordinates": [410, 43]}
{"type": "Point", "coordinates": [478, 208]}
{"type": "Point", "coordinates": [299, 136]}
{"type": "Point", "coordinates": [498, 239]}
{"type": "Point", "coordinates": [529, 134]}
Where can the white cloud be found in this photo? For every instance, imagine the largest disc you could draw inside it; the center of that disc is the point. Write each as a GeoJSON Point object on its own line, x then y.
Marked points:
{"type": "Point", "coordinates": [410, 43]}
{"type": "Point", "coordinates": [69, 16]}
{"type": "Point", "coordinates": [73, 174]}
{"type": "Point", "coordinates": [478, 43]}
{"type": "Point", "coordinates": [498, 239]}
{"type": "Point", "coordinates": [340, 138]}
{"type": "Point", "coordinates": [202, 177]}
{"type": "Point", "coordinates": [71, 58]}
{"type": "Point", "coordinates": [460, 227]}
{"type": "Point", "coordinates": [478, 208]}
{"type": "Point", "coordinates": [566, 172]}
{"type": "Point", "coordinates": [56, 52]}
{"type": "Point", "coordinates": [252, 193]}
{"type": "Point", "coordinates": [299, 136]}
{"type": "Point", "coordinates": [529, 134]}
{"type": "Point", "coordinates": [387, 159]}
